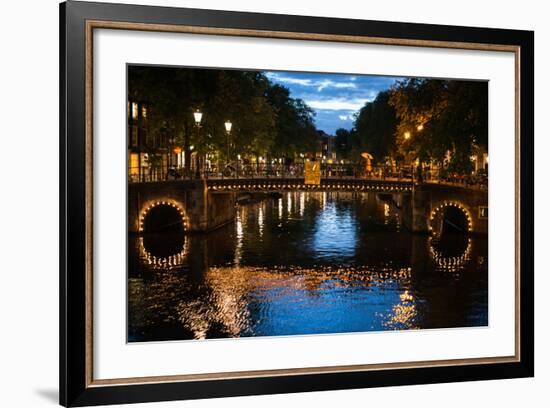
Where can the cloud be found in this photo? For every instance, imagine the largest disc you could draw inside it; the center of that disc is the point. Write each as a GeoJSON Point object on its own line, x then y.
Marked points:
{"type": "Point", "coordinates": [296, 81]}
{"type": "Point", "coordinates": [331, 84]}
{"type": "Point", "coordinates": [346, 118]}
{"type": "Point", "coordinates": [335, 98]}
{"type": "Point", "coordinates": [346, 104]}
{"type": "Point", "coordinates": [320, 84]}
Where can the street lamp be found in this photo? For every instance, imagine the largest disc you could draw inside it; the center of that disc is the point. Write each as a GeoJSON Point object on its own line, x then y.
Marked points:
{"type": "Point", "coordinates": [407, 135]}
{"type": "Point", "coordinates": [238, 164]}
{"type": "Point", "coordinates": [228, 126]}
{"type": "Point", "coordinates": [171, 141]}
{"type": "Point", "coordinates": [198, 118]}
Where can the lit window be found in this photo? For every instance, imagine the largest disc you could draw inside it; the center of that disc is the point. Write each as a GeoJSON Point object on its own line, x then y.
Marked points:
{"type": "Point", "coordinates": [134, 110]}
{"type": "Point", "coordinates": [143, 111]}
{"type": "Point", "coordinates": [133, 167]}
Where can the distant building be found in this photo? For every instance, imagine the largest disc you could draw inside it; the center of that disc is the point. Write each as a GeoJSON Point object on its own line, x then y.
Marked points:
{"type": "Point", "coordinates": [325, 150]}
{"type": "Point", "coordinates": [480, 159]}
{"type": "Point", "coordinates": [147, 152]}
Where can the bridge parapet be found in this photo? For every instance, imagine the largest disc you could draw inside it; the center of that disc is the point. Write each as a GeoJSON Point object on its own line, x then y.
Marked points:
{"type": "Point", "coordinates": [293, 184]}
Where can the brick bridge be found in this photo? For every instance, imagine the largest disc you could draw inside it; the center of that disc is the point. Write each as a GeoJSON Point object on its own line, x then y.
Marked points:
{"type": "Point", "coordinates": [205, 204]}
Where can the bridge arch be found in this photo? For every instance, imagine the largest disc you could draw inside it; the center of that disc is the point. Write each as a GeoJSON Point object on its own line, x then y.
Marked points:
{"type": "Point", "coordinates": [162, 215]}
{"type": "Point", "coordinates": [450, 213]}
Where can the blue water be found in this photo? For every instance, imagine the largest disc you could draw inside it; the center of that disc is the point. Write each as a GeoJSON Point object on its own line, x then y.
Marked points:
{"type": "Point", "coordinates": [305, 263]}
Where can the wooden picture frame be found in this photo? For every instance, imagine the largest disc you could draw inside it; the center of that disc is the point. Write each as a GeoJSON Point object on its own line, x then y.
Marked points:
{"type": "Point", "coordinates": [78, 20]}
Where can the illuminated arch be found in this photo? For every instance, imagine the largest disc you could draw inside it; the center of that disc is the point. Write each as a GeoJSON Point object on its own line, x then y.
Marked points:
{"type": "Point", "coordinates": [438, 211]}
{"type": "Point", "coordinates": [153, 204]}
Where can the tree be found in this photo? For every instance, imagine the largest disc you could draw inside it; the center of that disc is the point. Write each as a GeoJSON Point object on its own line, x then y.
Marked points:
{"type": "Point", "coordinates": [376, 126]}
{"type": "Point", "coordinates": [294, 124]}
{"type": "Point", "coordinates": [238, 96]}
{"type": "Point", "coordinates": [437, 116]}
{"type": "Point", "coordinates": [172, 95]}
{"type": "Point", "coordinates": [266, 119]}
{"type": "Point", "coordinates": [342, 143]}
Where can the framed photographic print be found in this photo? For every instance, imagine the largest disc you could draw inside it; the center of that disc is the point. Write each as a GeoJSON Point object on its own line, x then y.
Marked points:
{"type": "Point", "coordinates": [255, 203]}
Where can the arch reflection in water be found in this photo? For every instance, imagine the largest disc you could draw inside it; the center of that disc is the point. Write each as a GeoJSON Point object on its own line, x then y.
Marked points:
{"type": "Point", "coordinates": [451, 253]}
{"type": "Point", "coordinates": [330, 263]}
{"type": "Point", "coordinates": [163, 251]}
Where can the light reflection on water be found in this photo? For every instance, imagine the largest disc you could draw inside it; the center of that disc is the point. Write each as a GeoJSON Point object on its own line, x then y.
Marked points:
{"type": "Point", "coordinates": [306, 263]}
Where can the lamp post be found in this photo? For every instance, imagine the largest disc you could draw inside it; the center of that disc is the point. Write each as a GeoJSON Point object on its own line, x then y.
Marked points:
{"type": "Point", "coordinates": [177, 152]}
{"type": "Point", "coordinates": [228, 126]}
{"type": "Point", "coordinates": [238, 164]}
{"type": "Point", "coordinates": [198, 117]}
{"type": "Point", "coordinates": [171, 141]}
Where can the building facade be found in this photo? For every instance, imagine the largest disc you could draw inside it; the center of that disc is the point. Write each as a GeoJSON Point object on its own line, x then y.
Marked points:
{"type": "Point", "coordinates": [148, 152]}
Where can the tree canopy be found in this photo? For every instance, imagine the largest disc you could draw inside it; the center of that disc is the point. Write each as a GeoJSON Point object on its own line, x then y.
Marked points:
{"type": "Point", "coordinates": [437, 116]}
{"type": "Point", "coordinates": [265, 118]}
{"type": "Point", "coordinates": [376, 127]}
{"type": "Point", "coordinates": [295, 127]}
{"type": "Point", "coordinates": [342, 143]}
{"type": "Point", "coordinates": [415, 119]}
{"type": "Point", "coordinates": [424, 119]}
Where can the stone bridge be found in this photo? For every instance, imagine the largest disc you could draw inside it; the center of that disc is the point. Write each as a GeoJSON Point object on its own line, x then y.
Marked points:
{"type": "Point", "coordinates": [205, 204]}
{"type": "Point", "coordinates": [187, 202]}
{"type": "Point", "coordinates": [432, 208]}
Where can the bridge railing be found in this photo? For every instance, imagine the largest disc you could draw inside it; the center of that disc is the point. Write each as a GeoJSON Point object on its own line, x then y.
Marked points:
{"type": "Point", "coordinates": [241, 170]}
{"type": "Point", "coordinates": [265, 170]}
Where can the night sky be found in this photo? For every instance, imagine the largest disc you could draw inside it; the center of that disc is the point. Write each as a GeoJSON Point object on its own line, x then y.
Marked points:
{"type": "Point", "coordinates": [335, 98]}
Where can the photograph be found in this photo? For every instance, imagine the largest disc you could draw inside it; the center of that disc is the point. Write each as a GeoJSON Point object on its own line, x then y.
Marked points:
{"type": "Point", "coordinates": [282, 203]}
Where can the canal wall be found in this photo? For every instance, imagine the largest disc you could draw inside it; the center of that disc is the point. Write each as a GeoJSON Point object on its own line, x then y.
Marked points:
{"type": "Point", "coordinates": [201, 210]}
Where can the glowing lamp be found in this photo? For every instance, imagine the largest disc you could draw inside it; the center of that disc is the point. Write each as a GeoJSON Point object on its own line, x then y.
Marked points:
{"type": "Point", "coordinates": [198, 117]}
{"type": "Point", "coordinates": [228, 126]}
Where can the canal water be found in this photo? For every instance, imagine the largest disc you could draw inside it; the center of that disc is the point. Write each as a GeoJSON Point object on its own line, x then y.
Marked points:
{"type": "Point", "coordinates": [304, 263]}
